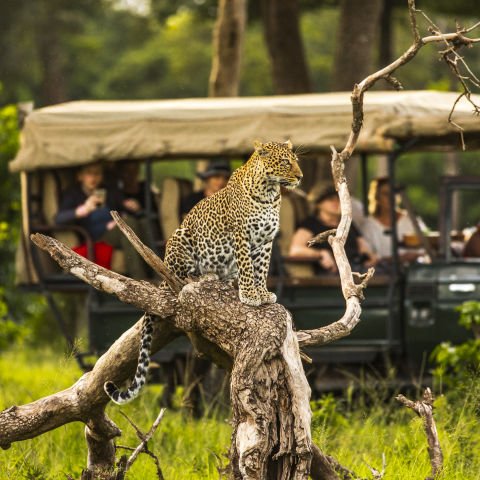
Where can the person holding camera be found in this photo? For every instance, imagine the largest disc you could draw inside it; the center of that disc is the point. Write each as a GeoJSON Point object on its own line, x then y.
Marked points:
{"type": "Point", "coordinates": [88, 204]}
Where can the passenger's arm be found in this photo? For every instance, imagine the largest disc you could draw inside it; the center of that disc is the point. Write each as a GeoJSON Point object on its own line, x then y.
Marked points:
{"type": "Point", "coordinates": [299, 249]}
{"type": "Point", "coordinates": [69, 212]}
{"type": "Point", "coordinates": [364, 249]}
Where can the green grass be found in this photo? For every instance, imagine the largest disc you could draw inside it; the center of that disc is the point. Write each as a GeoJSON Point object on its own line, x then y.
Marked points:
{"type": "Point", "coordinates": [188, 449]}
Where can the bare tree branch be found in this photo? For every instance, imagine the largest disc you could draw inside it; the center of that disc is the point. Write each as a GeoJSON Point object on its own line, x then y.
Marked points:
{"type": "Point", "coordinates": [148, 255]}
{"type": "Point", "coordinates": [141, 294]}
{"type": "Point", "coordinates": [144, 440]}
{"type": "Point", "coordinates": [424, 409]}
{"type": "Point", "coordinates": [85, 400]}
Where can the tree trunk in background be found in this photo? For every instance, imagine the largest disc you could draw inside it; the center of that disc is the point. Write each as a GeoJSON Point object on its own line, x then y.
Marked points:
{"type": "Point", "coordinates": [48, 25]}
{"type": "Point", "coordinates": [285, 46]}
{"type": "Point", "coordinates": [290, 73]}
{"type": "Point", "coordinates": [54, 89]}
{"type": "Point", "coordinates": [228, 36]}
{"type": "Point", "coordinates": [385, 53]}
{"type": "Point", "coordinates": [227, 48]}
{"type": "Point", "coordinates": [354, 56]}
{"type": "Point", "coordinates": [357, 30]}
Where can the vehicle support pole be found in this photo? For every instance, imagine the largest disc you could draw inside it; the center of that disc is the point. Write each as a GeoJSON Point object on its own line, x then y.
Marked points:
{"type": "Point", "coordinates": [392, 199]}
{"type": "Point", "coordinates": [148, 205]}
{"type": "Point", "coordinates": [447, 213]}
{"type": "Point", "coordinates": [393, 282]}
{"type": "Point", "coordinates": [365, 181]}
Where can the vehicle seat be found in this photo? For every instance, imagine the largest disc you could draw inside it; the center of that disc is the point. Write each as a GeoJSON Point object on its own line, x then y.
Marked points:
{"type": "Point", "coordinates": [173, 190]}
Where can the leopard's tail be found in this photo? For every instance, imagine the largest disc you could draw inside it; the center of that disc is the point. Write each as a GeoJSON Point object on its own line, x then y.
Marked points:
{"type": "Point", "coordinates": [120, 397]}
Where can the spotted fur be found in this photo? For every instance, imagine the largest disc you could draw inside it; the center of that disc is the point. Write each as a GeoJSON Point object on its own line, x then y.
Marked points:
{"type": "Point", "coordinates": [120, 397]}
{"type": "Point", "coordinates": [231, 232]}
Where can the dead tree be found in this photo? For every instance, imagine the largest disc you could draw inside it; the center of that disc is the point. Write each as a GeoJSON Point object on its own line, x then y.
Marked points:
{"type": "Point", "coordinates": [271, 436]}
{"type": "Point", "coordinates": [424, 409]}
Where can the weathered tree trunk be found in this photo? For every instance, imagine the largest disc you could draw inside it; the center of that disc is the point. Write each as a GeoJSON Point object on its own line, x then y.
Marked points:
{"type": "Point", "coordinates": [227, 48]}
{"type": "Point", "coordinates": [269, 391]}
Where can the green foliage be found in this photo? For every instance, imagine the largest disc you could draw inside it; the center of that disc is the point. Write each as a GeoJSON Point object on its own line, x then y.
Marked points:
{"type": "Point", "coordinates": [458, 364]}
{"type": "Point", "coordinates": [174, 61]}
{"type": "Point", "coordinates": [9, 190]}
{"type": "Point", "coordinates": [469, 314]}
{"type": "Point", "coordinates": [326, 412]}
{"type": "Point", "coordinates": [14, 305]}
{"type": "Point", "coordinates": [11, 333]}
{"type": "Point", "coordinates": [187, 448]}
{"type": "Point", "coordinates": [191, 449]}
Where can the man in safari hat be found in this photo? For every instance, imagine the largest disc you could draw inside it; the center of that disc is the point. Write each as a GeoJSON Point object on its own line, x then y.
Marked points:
{"type": "Point", "coordinates": [215, 177]}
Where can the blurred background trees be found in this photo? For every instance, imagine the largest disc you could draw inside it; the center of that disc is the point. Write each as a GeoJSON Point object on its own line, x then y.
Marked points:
{"type": "Point", "coordinates": [57, 50]}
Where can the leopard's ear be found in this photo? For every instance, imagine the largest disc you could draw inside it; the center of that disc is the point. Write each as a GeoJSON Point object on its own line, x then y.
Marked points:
{"type": "Point", "coordinates": [259, 148]}
{"type": "Point", "coordinates": [288, 143]}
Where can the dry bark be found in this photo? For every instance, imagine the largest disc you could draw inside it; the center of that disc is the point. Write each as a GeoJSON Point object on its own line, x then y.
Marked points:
{"type": "Point", "coordinates": [424, 409]}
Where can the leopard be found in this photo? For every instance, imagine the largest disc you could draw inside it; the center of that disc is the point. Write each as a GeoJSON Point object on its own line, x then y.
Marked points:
{"type": "Point", "coordinates": [231, 233]}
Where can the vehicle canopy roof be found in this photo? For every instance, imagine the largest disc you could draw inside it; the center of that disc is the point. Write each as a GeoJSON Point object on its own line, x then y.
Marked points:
{"type": "Point", "coordinates": [81, 132]}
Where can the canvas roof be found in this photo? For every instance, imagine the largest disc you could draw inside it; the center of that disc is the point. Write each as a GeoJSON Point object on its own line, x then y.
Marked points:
{"type": "Point", "coordinates": [80, 132]}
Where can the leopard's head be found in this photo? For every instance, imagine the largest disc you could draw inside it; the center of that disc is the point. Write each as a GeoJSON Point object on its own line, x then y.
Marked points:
{"type": "Point", "coordinates": [280, 163]}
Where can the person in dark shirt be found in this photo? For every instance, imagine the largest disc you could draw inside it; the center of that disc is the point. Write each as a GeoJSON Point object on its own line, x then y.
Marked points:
{"type": "Point", "coordinates": [327, 216]}
{"type": "Point", "coordinates": [133, 189]}
{"type": "Point", "coordinates": [88, 205]}
{"type": "Point", "coordinates": [215, 177]}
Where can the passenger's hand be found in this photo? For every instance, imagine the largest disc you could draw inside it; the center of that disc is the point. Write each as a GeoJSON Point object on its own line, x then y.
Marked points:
{"type": "Point", "coordinates": [373, 259]}
{"type": "Point", "coordinates": [111, 225]}
{"type": "Point", "coordinates": [132, 205]}
{"type": "Point", "coordinates": [86, 208]}
{"type": "Point", "coordinates": [327, 261]}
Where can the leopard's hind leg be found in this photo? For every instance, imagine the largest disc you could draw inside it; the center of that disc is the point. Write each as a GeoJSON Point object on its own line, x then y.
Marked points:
{"type": "Point", "coordinates": [179, 255]}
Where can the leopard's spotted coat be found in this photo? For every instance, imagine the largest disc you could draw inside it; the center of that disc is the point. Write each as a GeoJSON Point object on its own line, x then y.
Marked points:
{"type": "Point", "coordinates": [230, 234]}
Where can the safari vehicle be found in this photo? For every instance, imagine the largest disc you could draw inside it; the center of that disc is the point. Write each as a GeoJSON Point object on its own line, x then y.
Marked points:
{"type": "Point", "coordinates": [406, 312]}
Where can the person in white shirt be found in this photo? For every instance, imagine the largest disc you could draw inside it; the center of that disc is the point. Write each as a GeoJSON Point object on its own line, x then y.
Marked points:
{"type": "Point", "coordinates": [377, 227]}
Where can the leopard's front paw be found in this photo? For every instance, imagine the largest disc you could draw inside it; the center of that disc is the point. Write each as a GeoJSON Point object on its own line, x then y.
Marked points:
{"type": "Point", "coordinates": [268, 297]}
{"type": "Point", "coordinates": [251, 298]}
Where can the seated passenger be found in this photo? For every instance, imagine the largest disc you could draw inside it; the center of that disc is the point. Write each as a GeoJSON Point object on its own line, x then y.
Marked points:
{"type": "Point", "coordinates": [88, 205]}
{"type": "Point", "coordinates": [377, 227]}
{"type": "Point", "coordinates": [327, 216]}
{"type": "Point", "coordinates": [215, 177]}
{"type": "Point", "coordinates": [133, 189]}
